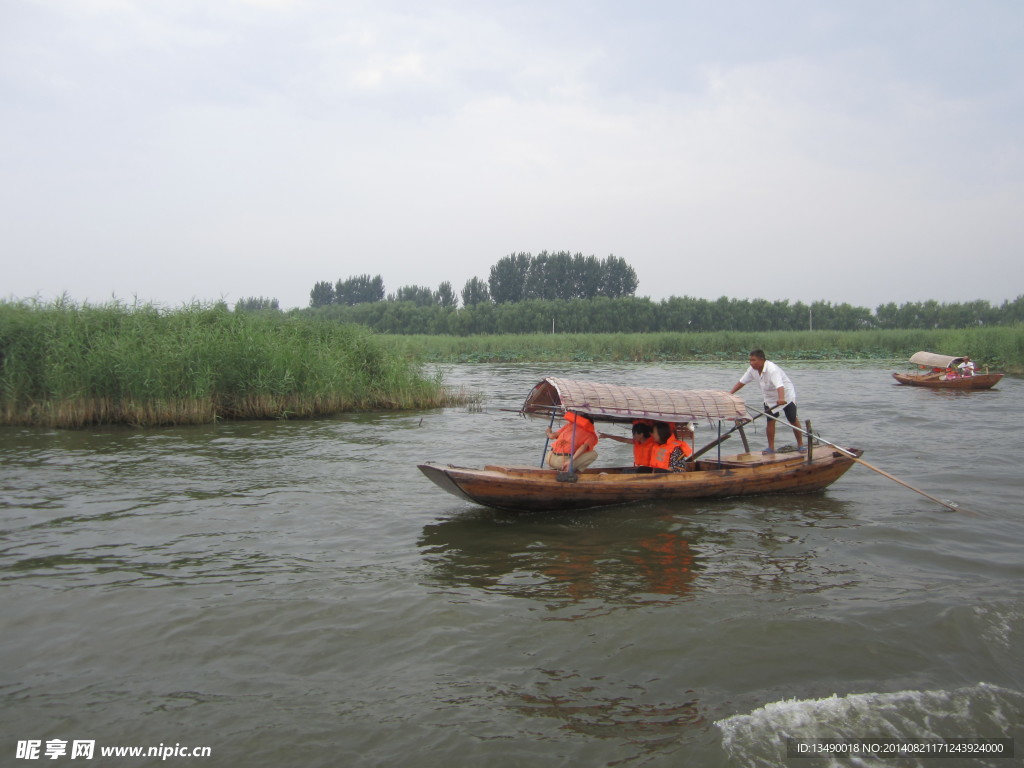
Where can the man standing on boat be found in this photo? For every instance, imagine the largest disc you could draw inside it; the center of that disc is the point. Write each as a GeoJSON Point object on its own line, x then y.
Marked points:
{"type": "Point", "coordinates": [778, 391]}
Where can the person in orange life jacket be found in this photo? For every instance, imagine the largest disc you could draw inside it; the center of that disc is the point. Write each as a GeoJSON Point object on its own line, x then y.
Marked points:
{"type": "Point", "coordinates": [577, 437]}
{"type": "Point", "coordinates": [777, 390]}
{"type": "Point", "coordinates": [682, 431]}
{"type": "Point", "coordinates": [669, 454]}
{"type": "Point", "coordinates": [642, 442]}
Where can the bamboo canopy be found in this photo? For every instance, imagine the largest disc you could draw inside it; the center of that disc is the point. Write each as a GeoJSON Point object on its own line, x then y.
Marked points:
{"type": "Point", "coordinates": [932, 360]}
{"type": "Point", "coordinates": [611, 402]}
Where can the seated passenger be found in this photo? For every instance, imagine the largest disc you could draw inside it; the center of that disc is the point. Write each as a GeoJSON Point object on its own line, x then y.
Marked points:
{"type": "Point", "coordinates": [669, 454]}
{"type": "Point", "coordinates": [642, 442]}
{"type": "Point", "coordinates": [576, 438]}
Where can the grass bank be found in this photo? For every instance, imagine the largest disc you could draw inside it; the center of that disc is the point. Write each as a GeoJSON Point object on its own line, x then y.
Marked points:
{"type": "Point", "coordinates": [1000, 347]}
{"type": "Point", "coordinates": [66, 365]}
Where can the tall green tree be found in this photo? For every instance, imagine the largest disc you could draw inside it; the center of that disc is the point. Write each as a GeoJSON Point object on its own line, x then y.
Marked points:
{"type": "Point", "coordinates": [1012, 311]}
{"type": "Point", "coordinates": [887, 315]}
{"type": "Point", "coordinates": [475, 292]}
{"type": "Point", "coordinates": [419, 295]}
{"type": "Point", "coordinates": [360, 289]}
{"type": "Point", "coordinates": [446, 296]}
{"type": "Point", "coordinates": [507, 281]}
{"type": "Point", "coordinates": [586, 276]}
{"type": "Point", "coordinates": [618, 278]}
{"type": "Point", "coordinates": [538, 284]}
{"type": "Point", "coordinates": [321, 295]}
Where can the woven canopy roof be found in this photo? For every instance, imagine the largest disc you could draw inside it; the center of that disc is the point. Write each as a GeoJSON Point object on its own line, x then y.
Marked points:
{"type": "Point", "coordinates": [934, 361]}
{"type": "Point", "coordinates": [611, 402]}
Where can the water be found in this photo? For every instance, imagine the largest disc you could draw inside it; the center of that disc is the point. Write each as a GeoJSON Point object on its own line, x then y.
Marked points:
{"type": "Point", "coordinates": [296, 593]}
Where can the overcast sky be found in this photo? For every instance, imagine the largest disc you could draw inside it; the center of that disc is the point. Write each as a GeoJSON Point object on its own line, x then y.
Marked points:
{"type": "Point", "coordinates": [842, 150]}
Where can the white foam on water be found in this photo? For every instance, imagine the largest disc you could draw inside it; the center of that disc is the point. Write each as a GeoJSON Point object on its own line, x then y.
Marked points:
{"type": "Point", "coordinates": [999, 625]}
{"type": "Point", "coordinates": [983, 710]}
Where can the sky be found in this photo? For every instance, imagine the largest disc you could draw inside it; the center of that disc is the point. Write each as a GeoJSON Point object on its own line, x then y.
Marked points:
{"type": "Point", "coordinates": [181, 151]}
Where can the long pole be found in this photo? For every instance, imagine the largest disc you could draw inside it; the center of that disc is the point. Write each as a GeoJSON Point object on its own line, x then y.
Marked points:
{"type": "Point", "coordinates": [547, 439]}
{"type": "Point", "coordinates": [859, 460]}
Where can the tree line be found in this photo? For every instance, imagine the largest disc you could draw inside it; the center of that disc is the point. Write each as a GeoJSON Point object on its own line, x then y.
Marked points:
{"type": "Point", "coordinates": [572, 293]}
{"type": "Point", "coordinates": [514, 278]}
{"type": "Point", "coordinates": [675, 314]}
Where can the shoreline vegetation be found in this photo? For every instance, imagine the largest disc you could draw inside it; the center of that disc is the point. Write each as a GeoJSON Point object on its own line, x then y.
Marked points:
{"type": "Point", "coordinates": [64, 365]}
{"type": "Point", "coordinates": [1001, 348]}
{"type": "Point", "coordinates": [71, 366]}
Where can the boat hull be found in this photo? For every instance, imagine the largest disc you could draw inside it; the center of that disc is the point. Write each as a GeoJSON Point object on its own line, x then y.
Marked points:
{"type": "Point", "coordinates": [938, 381]}
{"type": "Point", "coordinates": [525, 489]}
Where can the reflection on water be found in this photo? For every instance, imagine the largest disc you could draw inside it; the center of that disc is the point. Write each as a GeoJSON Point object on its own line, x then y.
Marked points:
{"type": "Point", "coordinates": [641, 554]}
{"type": "Point", "coordinates": [565, 560]}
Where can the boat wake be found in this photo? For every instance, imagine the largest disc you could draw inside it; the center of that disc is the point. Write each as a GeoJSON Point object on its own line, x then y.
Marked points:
{"type": "Point", "coordinates": [981, 711]}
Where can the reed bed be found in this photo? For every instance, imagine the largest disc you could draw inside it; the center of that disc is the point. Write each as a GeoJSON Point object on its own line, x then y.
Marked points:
{"type": "Point", "coordinates": [1000, 347]}
{"type": "Point", "coordinates": [64, 365]}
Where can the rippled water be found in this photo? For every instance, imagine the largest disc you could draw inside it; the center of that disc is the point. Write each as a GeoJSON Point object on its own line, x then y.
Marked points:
{"type": "Point", "coordinates": [296, 593]}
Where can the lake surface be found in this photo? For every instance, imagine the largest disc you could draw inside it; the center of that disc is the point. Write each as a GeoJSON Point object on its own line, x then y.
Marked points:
{"type": "Point", "coordinates": [297, 593]}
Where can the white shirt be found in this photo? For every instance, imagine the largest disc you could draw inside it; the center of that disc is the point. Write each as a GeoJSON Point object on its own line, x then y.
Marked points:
{"type": "Point", "coordinates": [771, 378]}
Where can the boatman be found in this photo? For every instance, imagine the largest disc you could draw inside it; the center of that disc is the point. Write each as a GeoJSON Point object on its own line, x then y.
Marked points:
{"type": "Point", "coordinates": [778, 391]}
{"type": "Point", "coordinates": [967, 367]}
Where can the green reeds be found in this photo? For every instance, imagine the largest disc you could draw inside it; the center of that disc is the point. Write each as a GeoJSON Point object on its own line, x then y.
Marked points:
{"type": "Point", "coordinates": [1000, 347]}
{"type": "Point", "coordinates": [65, 365]}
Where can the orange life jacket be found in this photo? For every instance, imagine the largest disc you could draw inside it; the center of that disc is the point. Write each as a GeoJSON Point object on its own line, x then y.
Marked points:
{"type": "Point", "coordinates": [662, 453]}
{"type": "Point", "coordinates": [642, 453]}
{"type": "Point", "coordinates": [585, 434]}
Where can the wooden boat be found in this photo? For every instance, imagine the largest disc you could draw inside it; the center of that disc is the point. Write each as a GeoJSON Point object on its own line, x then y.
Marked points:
{"type": "Point", "coordinates": [532, 489]}
{"type": "Point", "coordinates": [935, 376]}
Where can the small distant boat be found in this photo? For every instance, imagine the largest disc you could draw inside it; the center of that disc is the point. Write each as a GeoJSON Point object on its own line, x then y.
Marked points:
{"type": "Point", "coordinates": [533, 489]}
{"type": "Point", "coordinates": [937, 376]}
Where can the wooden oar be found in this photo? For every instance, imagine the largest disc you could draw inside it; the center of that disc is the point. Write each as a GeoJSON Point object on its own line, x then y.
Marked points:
{"type": "Point", "coordinates": [859, 460]}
